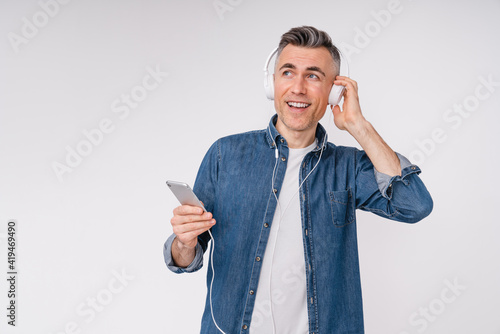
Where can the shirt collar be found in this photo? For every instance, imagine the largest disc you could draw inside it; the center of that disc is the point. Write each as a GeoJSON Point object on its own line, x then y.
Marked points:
{"type": "Point", "coordinates": [273, 136]}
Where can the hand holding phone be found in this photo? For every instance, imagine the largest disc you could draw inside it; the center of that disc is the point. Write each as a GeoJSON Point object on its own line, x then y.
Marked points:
{"type": "Point", "coordinates": [190, 219]}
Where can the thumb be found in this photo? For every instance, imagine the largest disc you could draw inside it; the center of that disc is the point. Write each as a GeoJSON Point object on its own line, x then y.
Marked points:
{"type": "Point", "coordinates": [336, 111]}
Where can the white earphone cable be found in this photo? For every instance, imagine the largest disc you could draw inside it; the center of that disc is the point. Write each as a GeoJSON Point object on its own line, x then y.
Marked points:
{"type": "Point", "coordinates": [212, 282]}
{"type": "Point", "coordinates": [281, 216]}
{"type": "Point", "coordinates": [276, 238]}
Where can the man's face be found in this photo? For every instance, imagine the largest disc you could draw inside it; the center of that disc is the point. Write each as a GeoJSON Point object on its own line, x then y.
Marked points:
{"type": "Point", "coordinates": [303, 79]}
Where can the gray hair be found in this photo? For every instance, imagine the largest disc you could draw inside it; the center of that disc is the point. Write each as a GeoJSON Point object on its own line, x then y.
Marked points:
{"type": "Point", "coordinates": [310, 37]}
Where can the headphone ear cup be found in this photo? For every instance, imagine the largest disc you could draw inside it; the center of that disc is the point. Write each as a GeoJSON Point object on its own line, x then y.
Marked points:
{"type": "Point", "coordinates": [336, 94]}
{"type": "Point", "coordinates": [269, 86]}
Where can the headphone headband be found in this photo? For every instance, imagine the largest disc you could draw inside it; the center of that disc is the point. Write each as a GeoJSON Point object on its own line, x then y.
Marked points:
{"type": "Point", "coordinates": [266, 66]}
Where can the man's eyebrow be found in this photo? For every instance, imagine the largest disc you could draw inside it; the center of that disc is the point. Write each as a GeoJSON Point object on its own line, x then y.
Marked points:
{"type": "Point", "coordinates": [316, 69]}
{"type": "Point", "coordinates": [288, 65]}
{"type": "Point", "coordinates": [311, 68]}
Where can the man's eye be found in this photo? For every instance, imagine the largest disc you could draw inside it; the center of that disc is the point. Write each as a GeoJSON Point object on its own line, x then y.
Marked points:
{"type": "Point", "coordinates": [313, 76]}
{"type": "Point", "coordinates": [287, 73]}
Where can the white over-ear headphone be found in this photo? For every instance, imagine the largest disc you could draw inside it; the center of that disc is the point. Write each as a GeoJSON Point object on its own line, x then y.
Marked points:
{"type": "Point", "coordinates": [335, 93]}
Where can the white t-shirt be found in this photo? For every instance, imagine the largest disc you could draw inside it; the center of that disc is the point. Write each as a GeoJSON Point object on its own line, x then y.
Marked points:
{"type": "Point", "coordinates": [283, 266]}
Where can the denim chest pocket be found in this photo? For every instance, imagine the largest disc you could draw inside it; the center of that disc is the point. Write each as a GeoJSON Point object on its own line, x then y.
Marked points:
{"type": "Point", "coordinates": [342, 206]}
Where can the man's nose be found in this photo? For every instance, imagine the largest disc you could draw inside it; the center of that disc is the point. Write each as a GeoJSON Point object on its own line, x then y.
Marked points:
{"type": "Point", "coordinates": [299, 86]}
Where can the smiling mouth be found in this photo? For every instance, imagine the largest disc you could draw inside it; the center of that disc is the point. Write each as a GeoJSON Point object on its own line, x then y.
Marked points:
{"type": "Point", "coordinates": [300, 105]}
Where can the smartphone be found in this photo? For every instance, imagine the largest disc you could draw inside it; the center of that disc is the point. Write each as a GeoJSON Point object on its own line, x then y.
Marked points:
{"type": "Point", "coordinates": [184, 194]}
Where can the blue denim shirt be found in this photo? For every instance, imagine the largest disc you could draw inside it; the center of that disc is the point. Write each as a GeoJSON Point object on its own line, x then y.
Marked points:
{"type": "Point", "coordinates": [234, 183]}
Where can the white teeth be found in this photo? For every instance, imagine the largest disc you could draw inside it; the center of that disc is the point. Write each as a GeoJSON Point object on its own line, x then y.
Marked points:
{"type": "Point", "coordinates": [298, 104]}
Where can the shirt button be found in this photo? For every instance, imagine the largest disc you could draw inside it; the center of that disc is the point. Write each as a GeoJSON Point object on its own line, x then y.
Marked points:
{"type": "Point", "coordinates": [283, 159]}
{"type": "Point", "coordinates": [413, 167]}
{"type": "Point", "coordinates": [275, 190]}
{"type": "Point", "coordinates": [251, 292]}
{"type": "Point", "coordinates": [245, 327]}
{"type": "Point", "coordinates": [266, 225]}
{"type": "Point", "coordinates": [257, 259]}
{"type": "Point", "coordinates": [282, 140]}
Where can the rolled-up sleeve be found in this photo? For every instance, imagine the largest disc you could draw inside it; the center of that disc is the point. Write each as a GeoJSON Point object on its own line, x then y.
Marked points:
{"type": "Point", "coordinates": [385, 181]}
{"type": "Point", "coordinates": [195, 265]}
{"type": "Point", "coordinates": [401, 197]}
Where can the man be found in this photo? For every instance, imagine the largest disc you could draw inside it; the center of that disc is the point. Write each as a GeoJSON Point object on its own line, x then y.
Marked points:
{"type": "Point", "coordinates": [285, 256]}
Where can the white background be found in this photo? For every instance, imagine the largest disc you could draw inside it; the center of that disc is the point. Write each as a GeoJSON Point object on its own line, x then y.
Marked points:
{"type": "Point", "coordinates": [111, 213]}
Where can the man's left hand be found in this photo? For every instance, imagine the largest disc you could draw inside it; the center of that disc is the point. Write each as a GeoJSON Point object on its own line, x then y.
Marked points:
{"type": "Point", "coordinates": [350, 117]}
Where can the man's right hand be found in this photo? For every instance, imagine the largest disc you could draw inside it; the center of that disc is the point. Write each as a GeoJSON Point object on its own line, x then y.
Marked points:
{"type": "Point", "coordinates": [188, 223]}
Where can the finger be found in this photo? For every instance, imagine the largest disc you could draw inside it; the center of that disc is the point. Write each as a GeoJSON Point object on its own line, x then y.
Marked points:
{"type": "Point", "coordinates": [199, 230]}
{"type": "Point", "coordinates": [189, 236]}
{"type": "Point", "coordinates": [341, 82]}
{"type": "Point", "coordinates": [190, 227]}
{"type": "Point", "coordinates": [349, 87]}
{"type": "Point", "coordinates": [340, 77]}
{"type": "Point", "coordinates": [336, 110]}
{"type": "Point", "coordinates": [185, 219]}
{"type": "Point", "coordinates": [187, 210]}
